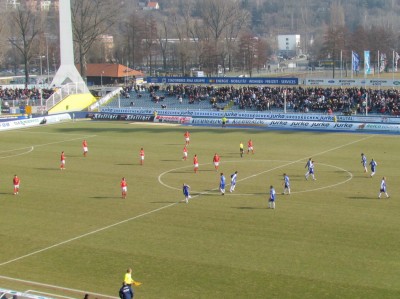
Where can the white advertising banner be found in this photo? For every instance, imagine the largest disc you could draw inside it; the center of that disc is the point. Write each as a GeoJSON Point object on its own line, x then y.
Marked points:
{"type": "Point", "coordinates": [256, 115]}
{"type": "Point", "coordinates": [31, 122]}
{"type": "Point", "coordinates": [351, 82]}
{"type": "Point", "coordinates": [302, 125]}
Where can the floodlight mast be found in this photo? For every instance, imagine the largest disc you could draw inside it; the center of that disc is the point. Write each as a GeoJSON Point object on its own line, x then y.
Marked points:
{"type": "Point", "coordinates": [67, 73]}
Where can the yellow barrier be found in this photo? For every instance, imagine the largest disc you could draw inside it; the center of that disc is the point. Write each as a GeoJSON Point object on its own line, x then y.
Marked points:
{"type": "Point", "coordinates": [75, 102]}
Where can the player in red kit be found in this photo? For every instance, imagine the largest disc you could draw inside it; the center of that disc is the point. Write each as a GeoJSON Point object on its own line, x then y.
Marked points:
{"type": "Point", "coordinates": [250, 146]}
{"type": "Point", "coordinates": [124, 188]}
{"type": "Point", "coordinates": [216, 161]}
{"type": "Point", "coordinates": [187, 137]}
{"type": "Point", "coordinates": [195, 163]}
{"type": "Point", "coordinates": [16, 182]}
{"type": "Point", "coordinates": [185, 153]}
{"type": "Point", "coordinates": [141, 156]}
{"type": "Point", "coordinates": [85, 147]}
{"type": "Point", "coordinates": [62, 158]}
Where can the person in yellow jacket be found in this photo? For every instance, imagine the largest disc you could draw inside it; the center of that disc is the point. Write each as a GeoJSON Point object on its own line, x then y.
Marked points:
{"type": "Point", "coordinates": [128, 278]}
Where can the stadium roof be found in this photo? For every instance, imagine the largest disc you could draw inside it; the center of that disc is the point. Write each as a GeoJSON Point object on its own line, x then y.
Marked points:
{"type": "Point", "coordinates": [110, 70]}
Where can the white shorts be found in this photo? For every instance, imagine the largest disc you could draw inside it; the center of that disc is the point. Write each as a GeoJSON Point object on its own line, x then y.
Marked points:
{"type": "Point", "coordinates": [216, 163]}
{"type": "Point", "coordinates": [16, 186]}
{"type": "Point", "coordinates": [63, 162]}
{"type": "Point", "coordinates": [187, 139]}
{"type": "Point", "coordinates": [124, 189]}
{"type": "Point", "coordinates": [185, 154]}
{"type": "Point", "coordinates": [250, 148]}
{"type": "Point", "coordinates": [141, 157]}
{"type": "Point", "coordinates": [85, 149]}
{"type": "Point", "coordinates": [196, 165]}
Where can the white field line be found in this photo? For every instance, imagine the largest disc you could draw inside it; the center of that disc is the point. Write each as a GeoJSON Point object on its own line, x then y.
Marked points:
{"type": "Point", "coordinates": [269, 170]}
{"type": "Point", "coordinates": [55, 287]}
{"type": "Point", "coordinates": [31, 148]}
{"type": "Point", "coordinates": [159, 209]}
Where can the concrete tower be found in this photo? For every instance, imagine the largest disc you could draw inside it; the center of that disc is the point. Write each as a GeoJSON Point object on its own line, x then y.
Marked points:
{"type": "Point", "coordinates": [67, 73]}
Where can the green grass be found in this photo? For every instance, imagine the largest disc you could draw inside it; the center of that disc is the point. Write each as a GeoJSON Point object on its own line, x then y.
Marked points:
{"type": "Point", "coordinates": [332, 238]}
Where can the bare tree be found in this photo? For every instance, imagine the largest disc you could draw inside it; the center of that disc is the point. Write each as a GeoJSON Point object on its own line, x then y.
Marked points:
{"type": "Point", "coordinates": [218, 15]}
{"type": "Point", "coordinates": [163, 40]}
{"type": "Point", "coordinates": [334, 43]}
{"type": "Point", "coordinates": [233, 30]}
{"type": "Point", "coordinates": [91, 19]}
{"type": "Point", "coordinates": [24, 35]}
{"type": "Point", "coordinates": [150, 40]}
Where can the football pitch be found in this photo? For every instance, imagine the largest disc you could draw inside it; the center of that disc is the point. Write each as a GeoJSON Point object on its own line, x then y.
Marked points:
{"type": "Point", "coordinates": [70, 232]}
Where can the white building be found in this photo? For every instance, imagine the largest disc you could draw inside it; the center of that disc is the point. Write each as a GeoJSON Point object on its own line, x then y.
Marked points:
{"type": "Point", "coordinates": [289, 44]}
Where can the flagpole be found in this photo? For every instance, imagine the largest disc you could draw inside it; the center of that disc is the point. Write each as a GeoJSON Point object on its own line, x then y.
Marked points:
{"type": "Point", "coordinates": [393, 67]}
{"type": "Point", "coordinates": [379, 67]}
{"type": "Point", "coordinates": [341, 64]}
{"type": "Point", "coordinates": [352, 64]}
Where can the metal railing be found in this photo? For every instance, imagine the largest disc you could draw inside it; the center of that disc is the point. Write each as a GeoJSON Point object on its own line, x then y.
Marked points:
{"type": "Point", "coordinates": [64, 91]}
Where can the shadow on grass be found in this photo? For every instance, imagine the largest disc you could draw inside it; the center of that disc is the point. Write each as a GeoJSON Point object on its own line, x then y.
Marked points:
{"type": "Point", "coordinates": [172, 160]}
{"type": "Point", "coordinates": [249, 208]}
{"type": "Point", "coordinates": [106, 197]}
{"type": "Point", "coordinates": [44, 168]}
{"type": "Point", "coordinates": [126, 164]}
{"type": "Point", "coordinates": [174, 144]}
{"type": "Point", "coordinates": [360, 197]}
{"type": "Point", "coordinates": [181, 172]}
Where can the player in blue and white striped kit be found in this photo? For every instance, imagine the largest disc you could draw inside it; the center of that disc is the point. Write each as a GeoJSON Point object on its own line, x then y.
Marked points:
{"type": "Point", "coordinates": [373, 165]}
{"type": "Point", "coordinates": [272, 195]}
{"type": "Point", "coordinates": [383, 188]}
{"type": "Point", "coordinates": [186, 193]}
{"type": "Point", "coordinates": [222, 184]}
{"type": "Point", "coordinates": [310, 165]}
{"type": "Point", "coordinates": [286, 184]}
{"type": "Point", "coordinates": [364, 162]}
{"type": "Point", "coordinates": [233, 181]}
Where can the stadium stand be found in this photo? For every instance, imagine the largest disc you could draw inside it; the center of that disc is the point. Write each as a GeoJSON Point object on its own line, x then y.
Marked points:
{"type": "Point", "coordinates": [266, 98]}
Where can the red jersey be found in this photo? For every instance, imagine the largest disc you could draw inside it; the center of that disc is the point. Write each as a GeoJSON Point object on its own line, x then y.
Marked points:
{"type": "Point", "coordinates": [187, 134]}
{"type": "Point", "coordinates": [84, 143]}
{"type": "Point", "coordinates": [124, 183]}
{"type": "Point", "coordinates": [16, 180]}
{"type": "Point", "coordinates": [195, 160]}
{"type": "Point", "coordinates": [216, 158]}
{"type": "Point", "coordinates": [62, 157]}
{"type": "Point", "coordinates": [142, 153]}
{"type": "Point", "coordinates": [185, 149]}
{"type": "Point", "coordinates": [250, 143]}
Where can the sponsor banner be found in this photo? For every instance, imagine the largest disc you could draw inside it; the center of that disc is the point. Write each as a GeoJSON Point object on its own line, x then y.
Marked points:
{"type": "Point", "coordinates": [5, 110]}
{"type": "Point", "coordinates": [30, 122]}
{"type": "Point", "coordinates": [224, 80]}
{"type": "Point", "coordinates": [121, 117]}
{"type": "Point", "coordinates": [220, 114]}
{"type": "Point", "coordinates": [172, 119]}
{"type": "Point", "coordinates": [300, 125]}
{"type": "Point", "coordinates": [19, 294]}
{"type": "Point", "coordinates": [351, 82]}
{"type": "Point", "coordinates": [257, 115]}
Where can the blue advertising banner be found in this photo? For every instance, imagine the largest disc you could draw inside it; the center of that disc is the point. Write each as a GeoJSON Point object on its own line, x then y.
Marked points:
{"type": "Point", "coordinates": [224, 80]}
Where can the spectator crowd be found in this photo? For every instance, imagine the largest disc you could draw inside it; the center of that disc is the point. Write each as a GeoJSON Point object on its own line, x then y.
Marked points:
{"type": "Point", "coordinates": [298, 99]}
{"type": "Point", "coordinates": [11, 97]}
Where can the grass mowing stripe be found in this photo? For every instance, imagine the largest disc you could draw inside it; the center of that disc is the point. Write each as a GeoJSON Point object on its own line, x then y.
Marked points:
{"type": "Point", "coordinates": [158, 209]}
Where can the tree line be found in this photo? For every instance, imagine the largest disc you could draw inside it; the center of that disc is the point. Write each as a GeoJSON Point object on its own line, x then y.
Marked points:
{"type": "Point", "coordinates": [211, 35]}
